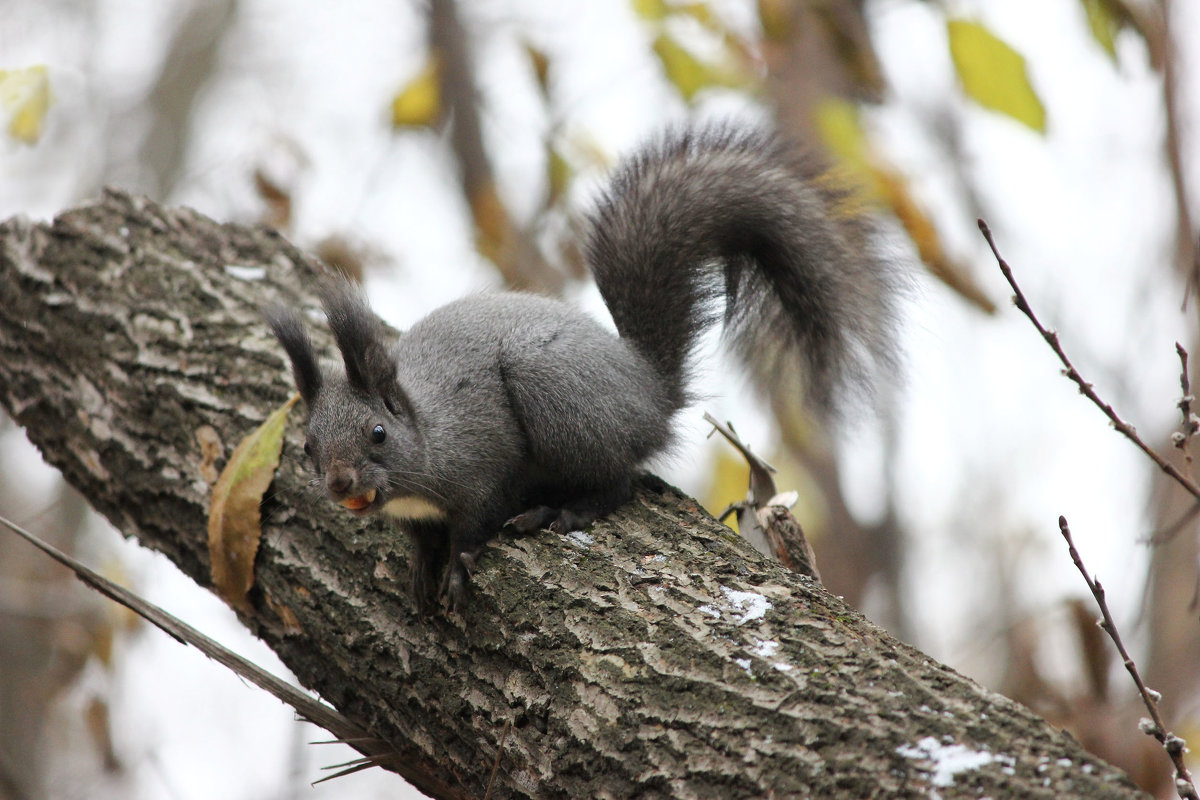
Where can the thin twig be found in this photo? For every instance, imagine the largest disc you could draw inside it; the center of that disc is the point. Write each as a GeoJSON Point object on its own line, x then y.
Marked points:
{"type": "Point", "coordinates": [307, 707]}
{"type": "Point", "coordinates": [1185, 253]}
{"type": "Point", "coordinates": [1182, 439]}
{"type": "Point", "coordinates": [1190, 424]}
{"type": "Point", "coordinates": [1168, 533]}
{"type": "Point", "coordinates": [761, 517]}
{"type": "Point", "coordinates": [496, 766]}
{"type": "Point", "coordinates": [1174, 745]}
{"type": "Point", "coordinates": [1071, 372]}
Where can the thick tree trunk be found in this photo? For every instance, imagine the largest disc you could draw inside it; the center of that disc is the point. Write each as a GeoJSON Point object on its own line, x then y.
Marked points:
{"type": "Point", "coordinates": [655, 655]}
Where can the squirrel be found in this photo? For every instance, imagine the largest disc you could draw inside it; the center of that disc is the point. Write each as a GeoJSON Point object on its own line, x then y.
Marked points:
{"type": "Point", "coordinates": [508, 410]}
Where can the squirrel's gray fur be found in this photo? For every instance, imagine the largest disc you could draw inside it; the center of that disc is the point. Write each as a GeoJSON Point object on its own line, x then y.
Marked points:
{"type": "Point", "coordinates": [512, 409]}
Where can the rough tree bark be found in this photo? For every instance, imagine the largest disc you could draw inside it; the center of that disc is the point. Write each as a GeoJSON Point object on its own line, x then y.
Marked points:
{"type": "Point", "coordinates": [653, 655]}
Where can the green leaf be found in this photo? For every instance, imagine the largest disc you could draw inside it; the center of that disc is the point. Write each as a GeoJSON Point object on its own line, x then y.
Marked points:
{"type": "Point", "coordinates": [839, 126]}
{"type": "Point", "coordinates": [702, 14]}
{"type": "Point", "coordinates": [689, 74]}
{"type": "Point", "coordinates": [558, 174]}
{"type": "Point", "coordinates": [652, 10]}
{"type": "Point", "coordinates": [1103, 24]}
{"type": "Point", "coordinates": [840, 130]}
{"type": "Point", "coordinates": [993, 73]}
{"type": "Point", "coordinates": [683, 69]}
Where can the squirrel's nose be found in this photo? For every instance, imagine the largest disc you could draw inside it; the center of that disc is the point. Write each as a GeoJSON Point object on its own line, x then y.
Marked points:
{"type": "Point", "coordinates": [339, 480]}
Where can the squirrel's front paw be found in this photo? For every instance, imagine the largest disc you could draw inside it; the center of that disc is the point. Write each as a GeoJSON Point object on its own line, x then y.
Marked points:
{"type": "Point", "coordinates": [454, 584]}
{"type": "Point", "coordinates": [421, 585]}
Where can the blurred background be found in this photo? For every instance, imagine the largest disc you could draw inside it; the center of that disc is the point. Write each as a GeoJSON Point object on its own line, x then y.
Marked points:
{"type": "Point", "coordinates": [437, 148]}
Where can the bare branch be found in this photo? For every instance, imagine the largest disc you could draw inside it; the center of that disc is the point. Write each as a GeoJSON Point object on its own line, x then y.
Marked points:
{"type": "Point", "coordinates": [1085, 388]}
{"type": "Point", "coordinates": [1174, 745]}
{"type": "Point", "coordinates": [765, 514]}
{"type": "Point", "coordinates": [1189, 424]}
{"type": "Point", "coordinates": [312, 710]}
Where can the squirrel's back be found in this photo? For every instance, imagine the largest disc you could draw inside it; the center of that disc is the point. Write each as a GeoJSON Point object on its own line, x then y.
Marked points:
{"type": "Point", "coordinates": [584, 404]}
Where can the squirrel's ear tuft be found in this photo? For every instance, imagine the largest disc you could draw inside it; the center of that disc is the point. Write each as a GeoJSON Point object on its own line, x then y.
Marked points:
{"type": "Point", "coordinates": [289, 330]}
{"type": "Point", "coordinates": [359, 333]}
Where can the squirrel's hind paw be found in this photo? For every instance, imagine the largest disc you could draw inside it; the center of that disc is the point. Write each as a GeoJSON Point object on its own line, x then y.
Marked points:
{"type": "Point", "coordinates": [555, 520]}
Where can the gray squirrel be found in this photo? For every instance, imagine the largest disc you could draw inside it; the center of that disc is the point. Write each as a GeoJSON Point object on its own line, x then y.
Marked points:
{"type": "Point", "coordinates": [510, 410]}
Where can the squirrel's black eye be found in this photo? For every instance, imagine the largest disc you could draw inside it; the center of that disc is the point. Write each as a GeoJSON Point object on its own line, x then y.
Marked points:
{"type": "Point", "coordinates": [378, 434]}
{"type": "Point", "coordinates": [307, 450]}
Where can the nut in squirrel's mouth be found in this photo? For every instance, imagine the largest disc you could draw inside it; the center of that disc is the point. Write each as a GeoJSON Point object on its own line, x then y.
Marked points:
{"type": "Point", "coordinates": [359, 502]}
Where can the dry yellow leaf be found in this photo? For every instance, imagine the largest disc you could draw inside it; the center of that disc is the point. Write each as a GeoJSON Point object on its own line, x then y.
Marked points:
{"type": "Point", "coordinates": [493, 229]}
{"type": "Point", "coordinates": [558, 174]}
{"type": "Point", "coordinates": [26, 94]}
{"type": "Point", "coordinates": [291, 623]}
{"type": "Point", "coordinates": [776, 16]}
{"type": "Point", "coordinates": [688, 73]}
{"type": "Point", "coordinates": [419, 102]}
{"type": "Point", "coordinates": [841, 131]}
{"type": "Point", "coordinates": [541, 67]}
{"type": "Point", "coordinates": [652, 10]}
{"type": "Point", "coordinates": [924, 235]}
{"type": "Point", "coordinates": [234, 523]}
{"type": "Point", "coordinates": [727, 483]}
{"type": "Point", "coordinates": [702, 13]}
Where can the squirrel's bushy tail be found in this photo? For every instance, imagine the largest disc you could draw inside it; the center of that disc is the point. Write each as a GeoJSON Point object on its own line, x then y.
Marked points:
{"type": "Point", "coordinates": [739, 214]}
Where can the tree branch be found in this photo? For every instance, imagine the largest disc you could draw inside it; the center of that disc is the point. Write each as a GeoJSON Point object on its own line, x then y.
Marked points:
{"type": "Point", "coordinates": [1086, 389]}
{"type": "Point", "coordinates": [312, 710]}
{"type": "Point", "coordinates": [655, 654]}
{"type": "Point", "coordinates": [1154, 726]}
